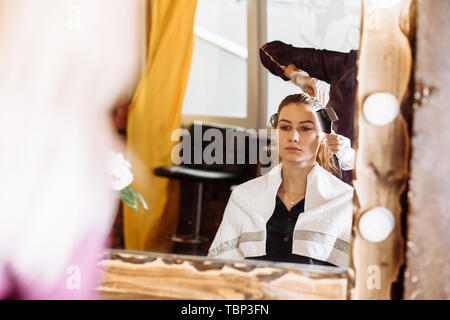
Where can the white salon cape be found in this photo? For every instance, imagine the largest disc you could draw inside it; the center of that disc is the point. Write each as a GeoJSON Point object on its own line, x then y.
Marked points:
{"type": "Point", "coordinates": [321, 232]}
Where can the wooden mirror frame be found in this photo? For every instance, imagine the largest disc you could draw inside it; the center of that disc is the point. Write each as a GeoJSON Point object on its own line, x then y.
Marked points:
{"type": "Point", "coordinates": [385, 65]}
{"type": "Point", "coordinates": [147, 275]}
{"type": "Point", "coordinates": [381, 173]}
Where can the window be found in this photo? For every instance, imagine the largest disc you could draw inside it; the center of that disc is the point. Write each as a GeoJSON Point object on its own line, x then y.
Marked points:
{"type": "Point", "coordinates": [227, 82]}
{"type": "Point", "coordinates": [321, 24]}
{"type": "Point", "coordinates": [217, 85]}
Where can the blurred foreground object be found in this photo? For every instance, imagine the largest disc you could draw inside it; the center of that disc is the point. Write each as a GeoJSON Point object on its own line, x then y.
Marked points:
{"type": "Point", "coordinates": [64, 63]}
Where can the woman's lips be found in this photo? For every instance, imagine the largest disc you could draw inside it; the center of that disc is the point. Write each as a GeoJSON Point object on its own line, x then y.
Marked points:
{"type": "Point", "coordinates": [293, 149]}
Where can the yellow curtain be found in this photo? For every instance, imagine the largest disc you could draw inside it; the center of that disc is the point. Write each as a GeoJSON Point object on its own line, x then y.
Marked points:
{"type": "Point", "coordinates": [155, 112]}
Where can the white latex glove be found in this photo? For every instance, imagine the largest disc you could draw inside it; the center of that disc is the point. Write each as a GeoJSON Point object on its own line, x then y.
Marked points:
{"type": "Point", "coordinates": [312, 86]}
{"type": "Point", "coordinates": [322, 91]}
{"type": "Point", "coordinates": [341, 146]}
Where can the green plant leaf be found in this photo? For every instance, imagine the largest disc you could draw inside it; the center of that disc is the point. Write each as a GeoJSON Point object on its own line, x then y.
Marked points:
{"type": "Point", "coordinates": [133, 203]}
{"type": "Point", "coordinates": [139, 196]}
{"type": "Point", "coordinates": [127, 197]}
{"type": "Point", "coordinates": [126, 192]}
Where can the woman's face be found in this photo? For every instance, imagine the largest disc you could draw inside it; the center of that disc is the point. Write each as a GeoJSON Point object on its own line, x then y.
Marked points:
{"type": "Point", "coordinates": [299, 133]}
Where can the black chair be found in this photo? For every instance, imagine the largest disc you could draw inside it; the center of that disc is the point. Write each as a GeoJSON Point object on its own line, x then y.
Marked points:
{"type": "Point", "coordinates": [236, 147]}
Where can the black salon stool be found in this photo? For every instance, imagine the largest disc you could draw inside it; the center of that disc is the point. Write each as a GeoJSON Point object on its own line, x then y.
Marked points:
{"type": "Point", "coordinates": [202, 173]}
{"type": "Point", "coordinates": [200, 177]}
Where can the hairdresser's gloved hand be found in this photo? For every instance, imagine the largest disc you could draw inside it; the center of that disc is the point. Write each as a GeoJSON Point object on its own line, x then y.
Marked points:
{"type": "Point", "coordinates": [312, 86]}
{"type": "Point", "coordinates": [341, 147]}
{"type": "Point", "coordinates": [322, 91]}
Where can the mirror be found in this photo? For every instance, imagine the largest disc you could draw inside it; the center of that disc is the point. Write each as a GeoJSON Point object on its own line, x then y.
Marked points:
{"type": "Point", "coordinates": [54, 111]}
{"type": "Point", "coordinates": [226, 73]}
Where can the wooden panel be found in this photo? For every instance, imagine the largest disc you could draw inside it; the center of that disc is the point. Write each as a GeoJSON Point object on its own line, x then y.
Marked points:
{"type": "Point", "coordinates": [381, 168]}
{"type": "Point", "coordinates": [428, 248]}
{"type": "Point", "coordinates": [139, 275]}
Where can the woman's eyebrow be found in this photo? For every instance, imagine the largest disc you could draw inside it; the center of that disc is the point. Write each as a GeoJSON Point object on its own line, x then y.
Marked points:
{"type": "Point", "coordinates": [304, 121]}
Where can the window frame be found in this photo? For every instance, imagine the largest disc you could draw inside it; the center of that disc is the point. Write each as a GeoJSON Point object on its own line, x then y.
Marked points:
{"type": "Point", "coordinates": [256, 75]}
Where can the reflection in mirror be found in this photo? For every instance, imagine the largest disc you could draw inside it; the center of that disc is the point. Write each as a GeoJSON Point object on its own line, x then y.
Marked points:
{"type": "Point", "coordinates": [298, 211]}
{"type": "Point", "coordinates": [236, 201]}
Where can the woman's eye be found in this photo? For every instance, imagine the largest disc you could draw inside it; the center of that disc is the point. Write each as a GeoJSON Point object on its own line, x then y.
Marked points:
{"type": "Point", "coordinates": [284, 128]}
{"type": "Point", "coordinates": [306, 128]}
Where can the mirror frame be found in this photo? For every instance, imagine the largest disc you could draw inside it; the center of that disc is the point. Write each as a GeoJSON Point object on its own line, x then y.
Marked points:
{"type": "Point", "coordinates": [385, 65]}
{"type": "Point", "coordinates": [148, 275]}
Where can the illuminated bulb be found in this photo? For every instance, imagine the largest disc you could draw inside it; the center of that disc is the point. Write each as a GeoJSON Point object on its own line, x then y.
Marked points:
{"type": "Point", "coordinates": [381, 108]}
{"type": "Point", "coordinates": [385, 3]}
{"type": "Point", "coordinates": [377, 224]}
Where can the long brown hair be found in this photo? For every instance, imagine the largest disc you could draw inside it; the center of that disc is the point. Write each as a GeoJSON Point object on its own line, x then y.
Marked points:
{"type": "Point", "coordinates": [324, 156]}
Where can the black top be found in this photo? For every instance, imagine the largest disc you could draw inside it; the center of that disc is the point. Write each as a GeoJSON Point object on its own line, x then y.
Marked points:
{"type": "Point", "coordinates": [280, 231]}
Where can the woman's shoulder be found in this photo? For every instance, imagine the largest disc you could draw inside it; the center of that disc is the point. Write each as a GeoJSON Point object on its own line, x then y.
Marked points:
{"type": "Point", "coordinates": [330, 180]}
{"type": "Point", "coordinates": [256, 196]}
{"type": "Point", "coordinates": [253, 185]}
{"type": "Point", "coordinates": [262, 187]}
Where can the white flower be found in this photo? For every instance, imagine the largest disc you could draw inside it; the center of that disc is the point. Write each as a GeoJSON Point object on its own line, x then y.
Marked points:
{"type": "Point", "coordinates": [119, 170]}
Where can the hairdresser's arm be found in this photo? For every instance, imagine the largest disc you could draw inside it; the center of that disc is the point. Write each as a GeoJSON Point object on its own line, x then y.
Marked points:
{"type": "Point", "coordinates": [325, 65]}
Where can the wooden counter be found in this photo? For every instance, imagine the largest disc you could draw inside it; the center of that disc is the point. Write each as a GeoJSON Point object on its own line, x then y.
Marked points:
{"type": "Point", "coordinates": [144, 275]}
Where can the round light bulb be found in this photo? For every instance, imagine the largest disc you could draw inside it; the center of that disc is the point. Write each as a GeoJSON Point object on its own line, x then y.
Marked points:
{"type": "Point", "coordinates": [385, 3]}
{"type": "Point", "coordinates": [381, 108]}
{"type": "Point", "coordinates": [377, 224]}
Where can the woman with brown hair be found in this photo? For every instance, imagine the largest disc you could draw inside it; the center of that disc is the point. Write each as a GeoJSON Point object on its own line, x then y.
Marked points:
{"type": "Point", "coordinates": [328, 75]}
{"type": "Point", "coordinates": [299, 211]}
